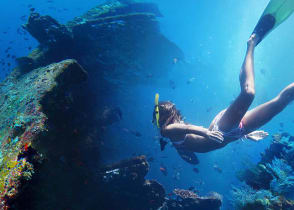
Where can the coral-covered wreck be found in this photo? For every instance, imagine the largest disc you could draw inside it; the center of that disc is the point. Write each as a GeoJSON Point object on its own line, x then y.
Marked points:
{"type": "Point", "coordinates": [49, 137]}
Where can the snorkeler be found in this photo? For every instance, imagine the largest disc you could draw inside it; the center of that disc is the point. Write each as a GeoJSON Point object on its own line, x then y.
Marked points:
{"type": "Point", "coordinates": [235, 122]}
{"type": "Point", "coordinates": [229, 125]}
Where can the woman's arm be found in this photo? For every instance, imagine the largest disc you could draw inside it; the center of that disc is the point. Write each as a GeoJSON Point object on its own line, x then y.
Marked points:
{"type": "Point", "coordinates": [183, 129]}
{"type": "Point", "coordinates": [199, 144]}
{"type": "Point", "coordinates": [178, 131]}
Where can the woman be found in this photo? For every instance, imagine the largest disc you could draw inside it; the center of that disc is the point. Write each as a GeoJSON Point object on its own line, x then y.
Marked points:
{"type": "Point", "coordinates": [229, 125]}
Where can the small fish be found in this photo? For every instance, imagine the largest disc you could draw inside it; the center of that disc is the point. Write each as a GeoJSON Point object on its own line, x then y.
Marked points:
{"type": "Point", "coordinates": [262, 71]}
{"type": "Point", "coordinates": [177, 176]}
{"type": "Point", "coordinates": [26, 147]}
{"type": "Point", "coordinates": [136, 133]}
{"type": "Point", "coordinates": [192, 79]}
{"type": "Point", "coordinates": [281, 124]}
{"type": "Point", "coordinates": [163, 170]}
{"type": "Point", "coordinates": [262, 166]}
{"type": "Point", "coordinates": [133, 132]}
{"type": "Point", "coordinates": [208, 109]}
{"type": "Point", "coordinates": [32, 9]}
{"type": "Point", "coordinates": [175, 60]}
{"type": "Point", "coordinates": [217, 168]}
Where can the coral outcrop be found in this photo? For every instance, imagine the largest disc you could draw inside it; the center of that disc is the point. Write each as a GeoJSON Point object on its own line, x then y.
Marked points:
{"type": "Point", "coordinates": [270, 183]}
{"type": "Point", "coordinates": [24, 122]}
{"type": "Point", "coordinates": [125, 184]}
{"type": "Point", "coordinates": [187, 200]}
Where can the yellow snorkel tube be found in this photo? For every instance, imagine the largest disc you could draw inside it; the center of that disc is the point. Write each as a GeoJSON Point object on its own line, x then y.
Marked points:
{"type": "Point", "coordinates": [157, 109]}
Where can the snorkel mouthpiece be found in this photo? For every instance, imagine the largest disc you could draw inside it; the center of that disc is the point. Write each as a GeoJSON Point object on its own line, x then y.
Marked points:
{"type": "Point", "coordinates": [157, 109]}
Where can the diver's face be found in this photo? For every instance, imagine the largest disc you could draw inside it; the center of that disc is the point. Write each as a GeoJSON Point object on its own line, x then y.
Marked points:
{"type": "Point", "coordinates": [164, 114]}
{"type": "Point", "coordinates": [165, 110]}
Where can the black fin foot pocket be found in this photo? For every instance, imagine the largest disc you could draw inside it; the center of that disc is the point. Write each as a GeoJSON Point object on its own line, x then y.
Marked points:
{"type": "Point", "coordinates": [264, 26]}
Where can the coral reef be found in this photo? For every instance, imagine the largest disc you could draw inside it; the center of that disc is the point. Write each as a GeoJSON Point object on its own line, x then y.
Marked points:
{"type": "Point", "coordinates": [270, 184]}
{"type": "Point", "coordinates": [188, 200]}
{"type": "Point", "coordinates": [124, 183]}
{"type": "Point", "coordinates": [184, 194]}
{"type": "Point", "coordinates": [283, 182]}
{"type": "Point", "coordinates": [246, 198]}
{"type": "Point", "coordinates": [257, 177]}
{"type": "Point", "coordinates": [24, 122]}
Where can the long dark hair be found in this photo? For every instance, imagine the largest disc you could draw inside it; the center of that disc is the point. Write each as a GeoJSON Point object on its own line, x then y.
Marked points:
{"type": "Point", "coordinates": [168, 114]}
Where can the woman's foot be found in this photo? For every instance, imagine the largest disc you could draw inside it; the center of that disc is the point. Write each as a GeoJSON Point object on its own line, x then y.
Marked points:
{"type": "Point", "coordinates": [252, 41]}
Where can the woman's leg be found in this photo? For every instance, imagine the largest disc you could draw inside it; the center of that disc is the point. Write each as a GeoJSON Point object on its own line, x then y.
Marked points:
{"type": "Point", "coordinates": [262, 114]}
{"type": "Point", "coordinates": [235, 112]}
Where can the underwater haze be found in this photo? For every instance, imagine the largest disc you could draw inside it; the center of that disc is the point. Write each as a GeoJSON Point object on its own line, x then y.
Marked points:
{"type": "Point", "coordinates": [213, 38]}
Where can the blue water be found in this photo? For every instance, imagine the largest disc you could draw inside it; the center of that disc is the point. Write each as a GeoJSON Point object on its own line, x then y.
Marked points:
{"type": "Point", "coordinates": [212, 35]}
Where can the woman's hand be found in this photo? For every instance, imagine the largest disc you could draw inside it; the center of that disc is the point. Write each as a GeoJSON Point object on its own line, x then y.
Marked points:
{"type": "Point", "coordinates": [215, 136]}
{"type": "Point", "coordinates": [256, 135]}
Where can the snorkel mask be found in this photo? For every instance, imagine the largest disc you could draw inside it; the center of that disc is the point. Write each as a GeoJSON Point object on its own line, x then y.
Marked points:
{"type": "Point", "coordinates": [157, 109]}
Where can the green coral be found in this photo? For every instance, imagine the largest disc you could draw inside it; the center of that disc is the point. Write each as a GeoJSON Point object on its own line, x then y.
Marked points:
{"type": "Point", "coordinates": [246, 198]}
